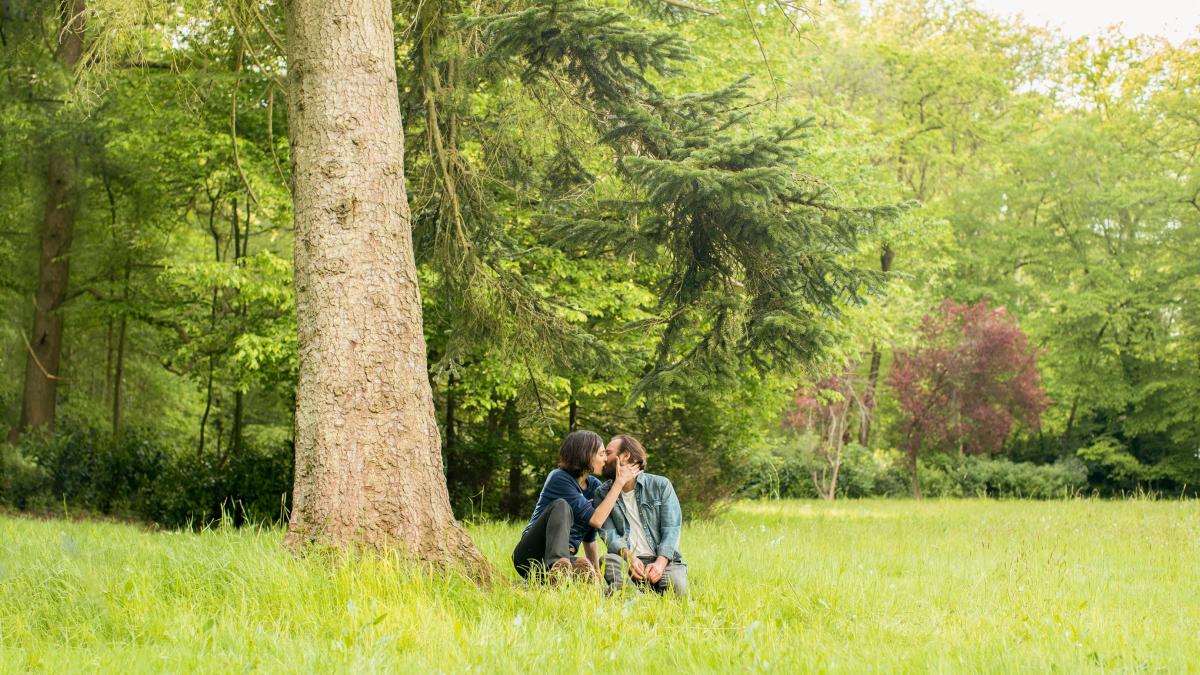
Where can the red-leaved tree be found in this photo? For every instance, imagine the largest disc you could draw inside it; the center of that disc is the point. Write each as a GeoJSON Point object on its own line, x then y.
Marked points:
{"type": "Point", "coordinates": [961, 389]}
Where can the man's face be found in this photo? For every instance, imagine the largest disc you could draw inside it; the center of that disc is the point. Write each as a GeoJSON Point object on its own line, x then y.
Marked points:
{"type": "Point", "coordinates": [610, 460]}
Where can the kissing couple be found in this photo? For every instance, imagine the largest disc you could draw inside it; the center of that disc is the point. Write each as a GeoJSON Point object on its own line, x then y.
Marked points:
{"type": "Point", "coordinates": [636, 513]}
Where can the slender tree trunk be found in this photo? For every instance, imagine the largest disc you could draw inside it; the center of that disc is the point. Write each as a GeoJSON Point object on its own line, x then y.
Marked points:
{"type": "Point", "coordinates": [235, 433]}
{"type": "Point", "coordinates": [864, 431]}
{"type": "Point", "coordinates": [572, 408]}
{"type": "Point", "coordinates": [108, 335]}
{"type": "Point", "coordinates": [207, 407]}
{"type": "Point", "coordinates": [119, 370]}
{"type": "Point", "coordinates": [43, 354]}
{"type": "Point", "coordinates": [212, 324]}
{"type": "Point", "coordinates": [451, 437]}
{"type": "Point", "coordinates": [1065, 441]}
{"type": "Point", "coordinates": [106, 393]}
{"type": "Point", "coordinates": [837, 431]}
{"type": "Point", "coordinates": [514, 501]}
{"type": "Point", "coordinates": [239, 310]}
{"type": "Point", "coordinates": [818, 479]}
{"type": "Point", "coordinates": [219, 435]}
{"type": "Point", "coordinates": [912, 467]}
{"type": "Point", "coordinates": [368, 457]}
{"type": "Point", "coordinates": [836, 466]}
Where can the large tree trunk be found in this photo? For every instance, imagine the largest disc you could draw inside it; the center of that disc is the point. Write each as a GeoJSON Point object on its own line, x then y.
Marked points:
{"type": "Point", "coordinates": [368, 458]}
{"type": "Point", "coordinates": [58, 228]}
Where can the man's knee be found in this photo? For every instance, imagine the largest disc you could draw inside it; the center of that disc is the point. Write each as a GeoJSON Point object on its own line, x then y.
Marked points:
{"type": "Point", "coordinates": [674, 580]}
{"type": "Point", "coordinates": [560, 505]}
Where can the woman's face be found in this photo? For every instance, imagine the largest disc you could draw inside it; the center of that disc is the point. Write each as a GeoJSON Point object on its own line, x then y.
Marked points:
{"type": "Point", "coordinates": [597, 463]}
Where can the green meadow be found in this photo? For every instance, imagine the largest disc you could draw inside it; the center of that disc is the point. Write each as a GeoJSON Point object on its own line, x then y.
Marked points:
{"type": "Point", "coordinates": [787, 586]}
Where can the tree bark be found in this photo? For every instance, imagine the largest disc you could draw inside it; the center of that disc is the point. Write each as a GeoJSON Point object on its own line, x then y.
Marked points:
{"type": "Point", "coordinates": [368, 458]}
{"type": "Point", "coordinates": [42, 358]}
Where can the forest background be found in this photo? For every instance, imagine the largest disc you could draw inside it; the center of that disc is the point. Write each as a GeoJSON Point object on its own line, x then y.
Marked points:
{"type": "Point", "coordinates": [1005, 229]}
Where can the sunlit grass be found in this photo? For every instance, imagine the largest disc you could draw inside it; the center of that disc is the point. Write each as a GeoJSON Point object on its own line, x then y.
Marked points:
{"type": "Point", "coordinates": [850, 586]}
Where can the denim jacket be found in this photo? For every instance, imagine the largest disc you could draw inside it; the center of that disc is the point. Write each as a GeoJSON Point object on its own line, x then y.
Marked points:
{"type": "Point", "coordinates": [660, 512]}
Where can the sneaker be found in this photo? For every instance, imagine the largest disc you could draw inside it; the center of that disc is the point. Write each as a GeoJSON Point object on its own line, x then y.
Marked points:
{"type": "Point", "coordinates": [583, 570]}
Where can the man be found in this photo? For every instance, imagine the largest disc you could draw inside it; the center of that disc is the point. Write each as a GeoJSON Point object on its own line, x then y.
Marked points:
{"type": "Point", "coordinates": [642, 531]}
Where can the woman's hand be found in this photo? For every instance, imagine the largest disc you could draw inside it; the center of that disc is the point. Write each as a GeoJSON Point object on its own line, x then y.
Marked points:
{"type": "Point", "coordinates": [637, 568]}
{"type": "Point", "coordinates": [626, 472]}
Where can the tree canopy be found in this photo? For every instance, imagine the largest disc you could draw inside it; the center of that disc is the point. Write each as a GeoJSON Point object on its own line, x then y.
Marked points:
{"type": "Point", "coordinates": [632, 217]}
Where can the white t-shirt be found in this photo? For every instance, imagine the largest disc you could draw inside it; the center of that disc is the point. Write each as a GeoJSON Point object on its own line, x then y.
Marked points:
{"type": "Point", "coordinates": [638, 543]}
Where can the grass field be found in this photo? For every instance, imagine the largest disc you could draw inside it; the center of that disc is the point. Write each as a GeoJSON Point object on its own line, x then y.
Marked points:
{"type": "Point", "coordinates": [896, 586]}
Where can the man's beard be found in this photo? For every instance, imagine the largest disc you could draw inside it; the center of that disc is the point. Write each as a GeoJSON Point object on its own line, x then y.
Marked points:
{"type": "Point", "coordinates": [610, 470]}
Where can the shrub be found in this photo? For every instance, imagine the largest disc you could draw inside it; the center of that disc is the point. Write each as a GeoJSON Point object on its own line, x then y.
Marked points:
{"type": "Point", "coordinates": [871, 473]}
{"type": "Point", "coordinates": [20, 479]}
{"type": "Point", "coordinates": [253, 486]}
{"type": "Point", "coordinates": [139, 475]}
{"type": "Point", "coordinates": [88, 470]}
{"type": "Point", "coordinates": [1002, 478]}
{"type": "Point", "coordinates": [938, 476]}
{"type": "Point", "coordinates": [883, 473]}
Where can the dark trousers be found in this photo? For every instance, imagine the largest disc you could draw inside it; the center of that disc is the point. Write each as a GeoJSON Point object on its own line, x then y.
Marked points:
{"type": "Point", "coordinates": [546, 540]}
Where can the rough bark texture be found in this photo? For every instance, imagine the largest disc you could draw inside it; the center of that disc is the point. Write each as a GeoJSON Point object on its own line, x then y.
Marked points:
{"type": "Point", "coordinates": [368, 460]}
{"type": "Point", "coordinates": [42, 358]}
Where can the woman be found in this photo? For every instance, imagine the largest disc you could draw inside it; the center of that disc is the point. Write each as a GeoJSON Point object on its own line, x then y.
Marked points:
{"type": "Point", "coordinates": [564, 518]}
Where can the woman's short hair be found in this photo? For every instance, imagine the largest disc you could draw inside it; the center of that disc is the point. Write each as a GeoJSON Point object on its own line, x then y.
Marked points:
{"type": "Point", "coordinates": [629, 445]}
{"type": "Point", "coordinates": [575, 453]}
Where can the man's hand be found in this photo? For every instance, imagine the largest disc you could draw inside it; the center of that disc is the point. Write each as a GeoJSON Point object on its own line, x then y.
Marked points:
{"type": "Point", "coordinates": [637, 568]}
{"type": "Point", "coordinates": [654, 571]}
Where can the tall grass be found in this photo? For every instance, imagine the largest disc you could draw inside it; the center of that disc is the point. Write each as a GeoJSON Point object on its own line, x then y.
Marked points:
{"type": "Point", "coordinates": [776, 586]}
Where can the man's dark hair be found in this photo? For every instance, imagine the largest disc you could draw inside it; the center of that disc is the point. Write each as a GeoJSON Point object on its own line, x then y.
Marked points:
{"type": "Point", "coordinates": [629, 445]}
{"type": "Point", "coordinates": [575, 453]}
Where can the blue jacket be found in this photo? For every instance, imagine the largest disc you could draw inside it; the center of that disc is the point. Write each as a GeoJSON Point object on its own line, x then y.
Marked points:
{"type": "Point", "coordinates": [659, 509]}
{"type": "Point", "coordinates": [561, 485]}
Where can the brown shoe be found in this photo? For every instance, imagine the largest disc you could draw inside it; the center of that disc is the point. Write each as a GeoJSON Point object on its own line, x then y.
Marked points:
{"type": "Point", "coordinates": [559, 571]}
{"type": "Point", "coordinates": [583, 570]}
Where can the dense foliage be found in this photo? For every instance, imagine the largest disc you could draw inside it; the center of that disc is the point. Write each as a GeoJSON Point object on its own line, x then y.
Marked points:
{"type": "Point", "coordinates": [631, 217]}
